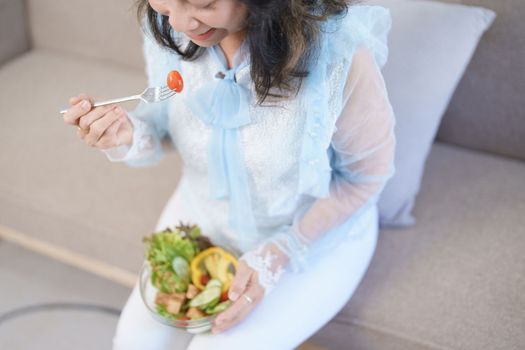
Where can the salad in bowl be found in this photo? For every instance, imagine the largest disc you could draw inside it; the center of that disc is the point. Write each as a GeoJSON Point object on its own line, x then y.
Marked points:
{"type": "Point", "coordinates": [185, 278]}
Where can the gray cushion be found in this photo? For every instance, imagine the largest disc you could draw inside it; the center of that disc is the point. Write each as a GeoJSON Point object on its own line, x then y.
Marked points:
{"type": "Point", "coordinates": [13, 34]}
{"type": "Point", "coordinates": [430, 46]}
{"type": "Point", "coordinates": [59, 190]}
{"type": "Point", "coordinates": [455, 281]}
{"type": "Point", "coordinates": [487, 111]}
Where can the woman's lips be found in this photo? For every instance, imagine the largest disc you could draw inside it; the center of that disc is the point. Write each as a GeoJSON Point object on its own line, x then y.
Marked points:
{"type": "Point", "coordinates": [203, 36]}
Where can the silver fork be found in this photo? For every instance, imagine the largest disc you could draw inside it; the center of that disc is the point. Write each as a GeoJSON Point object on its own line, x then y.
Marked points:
{"type": "Point", "coordinates": [150, 95]}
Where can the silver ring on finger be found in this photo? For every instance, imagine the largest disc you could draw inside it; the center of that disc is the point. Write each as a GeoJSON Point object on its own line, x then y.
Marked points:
{"type": "Point", "coordinates": [249, 299]}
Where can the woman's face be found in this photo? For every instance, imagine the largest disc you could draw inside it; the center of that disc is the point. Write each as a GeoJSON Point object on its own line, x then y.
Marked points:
{"type": "Point", "coordinates": [205, 22]}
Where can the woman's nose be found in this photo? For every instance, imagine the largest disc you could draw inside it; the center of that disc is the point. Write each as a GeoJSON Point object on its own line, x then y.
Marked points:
{"type": "Point", "coordinates": [182, 21]}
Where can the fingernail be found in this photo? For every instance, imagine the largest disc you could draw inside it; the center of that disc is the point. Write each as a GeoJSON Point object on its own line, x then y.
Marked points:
{"type": "Point", "coordinates": [234, 296]}
{"type": "Point", "coordinates": [85, 104]}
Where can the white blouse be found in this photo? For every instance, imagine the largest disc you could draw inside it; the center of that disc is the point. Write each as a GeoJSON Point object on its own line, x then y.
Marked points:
{"type": "Point", "coordinates": [290, 174]}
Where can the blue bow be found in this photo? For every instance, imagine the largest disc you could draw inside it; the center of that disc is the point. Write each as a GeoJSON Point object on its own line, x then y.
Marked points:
{"type": "Point", "coordinates": [222, 104]}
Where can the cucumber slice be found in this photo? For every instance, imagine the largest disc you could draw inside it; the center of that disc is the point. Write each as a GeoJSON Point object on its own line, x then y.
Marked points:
{"type": "Point", "coordinates": [213, 283]}
{"type": "Point", "coordinates": [206, 298]}
{"type": "Point", "coordinates": [181, 267]}
{"type": "Point", "coordinates": [219, 307]}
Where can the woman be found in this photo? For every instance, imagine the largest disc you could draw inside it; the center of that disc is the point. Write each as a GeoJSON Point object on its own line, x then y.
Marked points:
{"type": "Point", "coordinates": [286, 135]}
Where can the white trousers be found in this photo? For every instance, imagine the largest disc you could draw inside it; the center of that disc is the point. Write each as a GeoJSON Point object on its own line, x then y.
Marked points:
{"type": "Point", "coordinates": [297, 308]}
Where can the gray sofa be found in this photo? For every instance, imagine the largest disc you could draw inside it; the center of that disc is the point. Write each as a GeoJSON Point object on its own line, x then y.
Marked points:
{"type": "Point", "coordinates": [455, 280]}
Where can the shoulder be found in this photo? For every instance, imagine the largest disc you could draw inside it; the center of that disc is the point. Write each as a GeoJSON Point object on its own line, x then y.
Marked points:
{"type": "Point", "coordinates": [362, 26]}
{"type": "Point", "coordinates": [363, 60]}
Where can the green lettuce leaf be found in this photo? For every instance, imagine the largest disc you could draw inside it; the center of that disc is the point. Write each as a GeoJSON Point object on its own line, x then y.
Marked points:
{"type": "Point", "coordinates": [163, 247]}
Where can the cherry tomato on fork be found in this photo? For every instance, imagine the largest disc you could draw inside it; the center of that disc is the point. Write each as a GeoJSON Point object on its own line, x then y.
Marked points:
{"type": "Point", "coordinates": [175, 81]}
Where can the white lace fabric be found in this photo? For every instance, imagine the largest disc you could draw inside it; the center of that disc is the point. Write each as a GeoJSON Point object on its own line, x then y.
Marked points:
{"type": "Point", "coordinates": [272, 259]}
{"type": "Point", "coordinates": [363, 145]}
{"type": "Point", "coordinates": [362, 161]}
{"type": "Point", "coordinates": [268, 272]}
{"type": "Point", "coordinates": [270, 262]}
{"type": "Point", "coordinates": [142, 146]}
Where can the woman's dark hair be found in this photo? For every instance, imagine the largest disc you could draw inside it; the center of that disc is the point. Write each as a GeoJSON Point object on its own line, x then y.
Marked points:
{"type": "Point", "coordinates": [282, 37]}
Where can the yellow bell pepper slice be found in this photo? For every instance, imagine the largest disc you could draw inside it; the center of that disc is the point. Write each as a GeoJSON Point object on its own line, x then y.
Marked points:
{"type": "Point", "coordinates": [221, 261]}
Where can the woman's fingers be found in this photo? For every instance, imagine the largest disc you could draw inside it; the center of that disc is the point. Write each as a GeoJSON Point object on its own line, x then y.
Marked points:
{"type": "Point", "coordinates": [97, 113]}
{"type": "Point", "coordinates": [110, 138]}
{"type": "Point", "coordinates": [103, 127]}
{"type": "Point", "coordinates": [239, 286]}
{"type": "Point", "coordinates": [77, 111]}
{"type": "Point", "coordinates": [232, 315]}
{"type": "Point", "coordinates": [78, 108]}
{"type": "Point", "coordinates": [99, 126]}
{"type": "Point", "coordinates": [84, 96]}
{"type": "Point", "coordinates": [81, 133]}
{"type": "Point", "coordinates": [240, 308]}
{"type": "Point", "coordinates": [240, 281]}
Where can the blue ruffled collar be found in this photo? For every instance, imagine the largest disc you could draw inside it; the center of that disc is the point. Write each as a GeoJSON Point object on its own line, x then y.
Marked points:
{"type": "Point", "coordinates": [223, 105]}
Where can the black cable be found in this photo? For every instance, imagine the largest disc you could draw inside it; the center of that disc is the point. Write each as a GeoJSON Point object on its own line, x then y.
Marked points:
{"type": "Point", "coordinates": [29, 309]}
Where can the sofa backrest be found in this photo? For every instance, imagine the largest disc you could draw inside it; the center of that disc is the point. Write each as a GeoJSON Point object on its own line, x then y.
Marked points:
{"type": "Point", "coordinates": [13, 30]}
{"type": "Point", "coordinates": [106, 30]}
{"type": "Point", "coordinates": [487, 111]}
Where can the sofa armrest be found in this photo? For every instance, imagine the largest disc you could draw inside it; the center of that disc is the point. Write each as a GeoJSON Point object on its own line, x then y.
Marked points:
{"type": "Point", "coordinates": [13, 30]}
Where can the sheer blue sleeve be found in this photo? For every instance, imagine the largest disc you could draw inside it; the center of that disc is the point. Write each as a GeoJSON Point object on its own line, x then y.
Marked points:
{"type": "Point", "coordinates": [149, 120]}
{"type": "Point", "coordinates": [361, 149]}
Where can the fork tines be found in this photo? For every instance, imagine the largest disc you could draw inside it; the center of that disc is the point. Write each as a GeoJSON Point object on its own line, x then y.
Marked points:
{"type": "Point", "coordinates": [163, 93]}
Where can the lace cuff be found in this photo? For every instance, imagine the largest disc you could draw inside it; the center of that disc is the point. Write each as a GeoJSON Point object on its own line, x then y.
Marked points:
{"type": "Point", "coordinates": [272, 258]}
{"type": "Point", "coordinates": [268, 264]}
{"type": "Point", "coordinates": [145, 148]}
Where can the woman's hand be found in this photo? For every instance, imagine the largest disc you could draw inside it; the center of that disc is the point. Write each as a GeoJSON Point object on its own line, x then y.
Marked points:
{"type": "Point", "coordinates": [245, 282]}
{"type": "Point", "coordinates": [102, 127]}
{"type": "Point", "coordinates": [258, 272]}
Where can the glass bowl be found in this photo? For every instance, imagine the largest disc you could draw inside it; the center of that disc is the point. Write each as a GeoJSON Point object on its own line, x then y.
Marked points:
{"type": "Point", "coordinates": [148, 293]}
